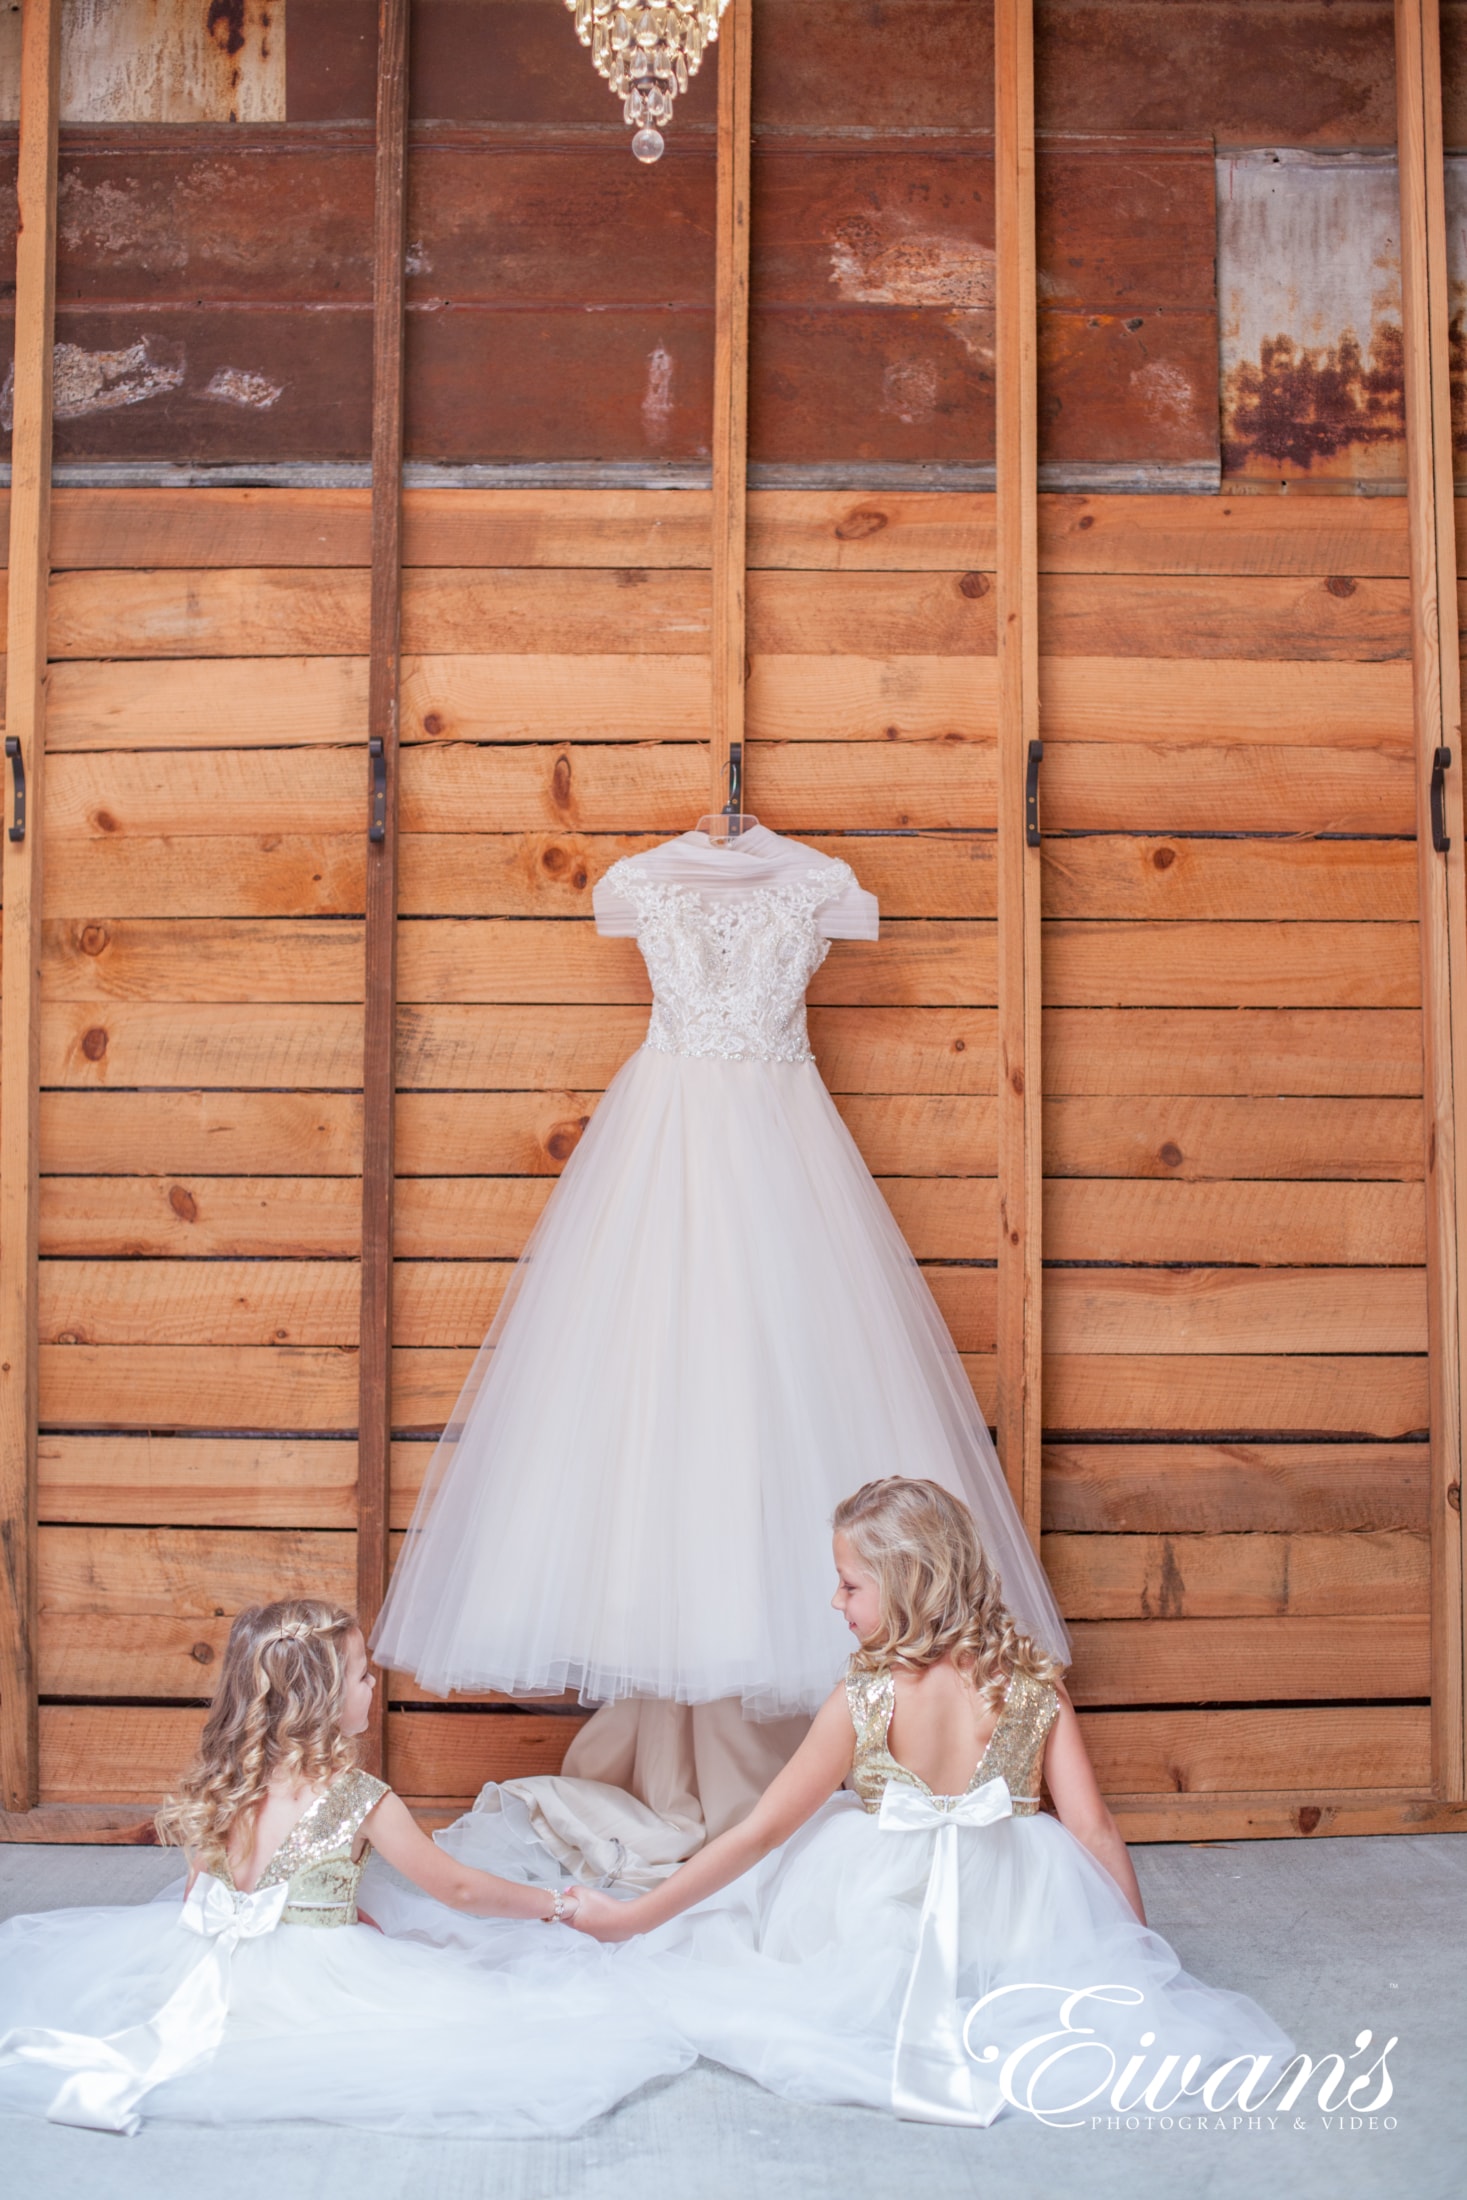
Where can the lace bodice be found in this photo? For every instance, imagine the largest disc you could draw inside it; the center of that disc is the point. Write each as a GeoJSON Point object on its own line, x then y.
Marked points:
{"type": "Point", "coordinates": [315, 1856]}
{"type": "Point", "coordinates": [729, 973]}
{"type": "Point", "coordinates": [1015, 1749]}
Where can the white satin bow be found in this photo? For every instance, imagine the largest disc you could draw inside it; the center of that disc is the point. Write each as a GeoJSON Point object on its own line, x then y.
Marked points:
{"type": "Point", "coordinates": [108, 2077]}
{"type": "Point", "coordinates": [933, 2078]}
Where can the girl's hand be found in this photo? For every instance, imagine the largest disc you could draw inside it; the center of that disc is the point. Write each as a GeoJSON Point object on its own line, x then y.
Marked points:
{"type": "Point", "coordinates": [602, 1917]}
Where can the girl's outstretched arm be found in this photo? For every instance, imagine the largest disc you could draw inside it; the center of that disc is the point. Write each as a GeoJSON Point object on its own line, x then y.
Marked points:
{"type": "Point", "coordinates": [809, 1779]}
{"type": "Point", "coordinates": [396, 1835]}
{"type": "Point", "coordinates": [1081, 1806]}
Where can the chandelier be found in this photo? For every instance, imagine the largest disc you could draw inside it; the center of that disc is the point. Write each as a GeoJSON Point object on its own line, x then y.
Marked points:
{"type": "Point", "coordinates": [647, 56]}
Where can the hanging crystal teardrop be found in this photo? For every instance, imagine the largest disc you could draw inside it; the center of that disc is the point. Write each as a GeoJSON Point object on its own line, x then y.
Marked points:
{"type": "Point", "coordinates": [647, 55]}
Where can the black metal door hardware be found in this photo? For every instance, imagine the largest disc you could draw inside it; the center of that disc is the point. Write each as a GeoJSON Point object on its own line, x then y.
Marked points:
{"type": "Point", "coordinates": [17, 773]}
{"type": "Point", "coordinates": [378, 756]}
{"type": "Point", "coordinates": [1031, 794]}
{"type": "Point", "coordinates": [1440, 764]}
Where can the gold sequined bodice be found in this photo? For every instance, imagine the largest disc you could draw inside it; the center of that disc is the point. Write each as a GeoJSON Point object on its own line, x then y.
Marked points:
{"type": "Point", "coordinates": [1015, 1749]}
{"type": "Point", "coordinates": [316, 1855]}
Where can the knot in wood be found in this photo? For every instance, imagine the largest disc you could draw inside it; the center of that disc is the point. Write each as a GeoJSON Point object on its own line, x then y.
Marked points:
{"type": "Point", "coordinates": [857, 525]}
{"type": "Point", "coordinates": [94, 1043]}
{"type": "Point", "coordinates": [183, 1203]}
{"type": "Point", "coordinates": [1164, 858]}
{"type": "Point", "coordinates": [93, 938]}
{"type": "Point", "coordinates": [1339, 584]}
{"type": "Point", "coordinates": [974, 585]}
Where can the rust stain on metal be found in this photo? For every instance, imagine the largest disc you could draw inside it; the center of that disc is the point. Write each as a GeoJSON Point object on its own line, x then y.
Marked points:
{"type": "Point", "coordinates": [161, 61]}
{"type": "Point", "coordinates": [1309, 291]}
{"type": "Point", "coordinates": [1297, 411]}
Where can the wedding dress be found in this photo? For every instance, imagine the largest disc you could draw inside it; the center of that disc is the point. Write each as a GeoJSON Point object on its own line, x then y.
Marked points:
{"type": "Point", "coordinates": [715, 1333]}
{"type": "Point", "coordinates": [280, 2005]}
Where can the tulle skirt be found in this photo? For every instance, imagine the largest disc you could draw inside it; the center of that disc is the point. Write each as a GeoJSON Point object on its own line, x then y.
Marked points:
{"type": "Point", "coordinates": [518, 2030]}
{"type": "Point", "coordinates": [797, 1974]}
{"type": "Point", "coordinates": [715, 1334]}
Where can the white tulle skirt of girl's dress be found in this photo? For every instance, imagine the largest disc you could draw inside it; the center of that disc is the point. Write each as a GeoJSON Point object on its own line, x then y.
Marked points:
{"type": "Point", "coordinates": [715, 1334]}
{"type": "Point", "coordinates": [798, 1975]}
{"type": "Point", "coordinates": [533, 2032]}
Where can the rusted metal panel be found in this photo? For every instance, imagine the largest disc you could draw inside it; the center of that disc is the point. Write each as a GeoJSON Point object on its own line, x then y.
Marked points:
{"type": "Point", "coordinates": [213, 283]}
{"type": "Point", "coordinates": [1252, 72]}
{"type": "Point", "coordinates": [160, 61]}
{"type": "Point", "coordinates": [1309, 290]}
{"type": "Point", "coordinates": [1456, 194]}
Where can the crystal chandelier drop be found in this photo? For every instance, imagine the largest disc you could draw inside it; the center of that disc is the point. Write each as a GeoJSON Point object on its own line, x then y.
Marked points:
{"type": "Point", "coordinates": [647, 56]}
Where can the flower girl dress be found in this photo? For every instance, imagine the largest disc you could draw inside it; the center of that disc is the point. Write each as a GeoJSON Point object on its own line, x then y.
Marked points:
{"type": "Point", "coordinates": [280, 2005]}
{"type": "Point", "coordinates": [902, 1950]}
{"type": "Point", "coordinates": [715, 1333]}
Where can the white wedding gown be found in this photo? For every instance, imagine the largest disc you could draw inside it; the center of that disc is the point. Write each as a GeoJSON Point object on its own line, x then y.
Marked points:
{"type": "Point", "coordinates": [715, 1333]}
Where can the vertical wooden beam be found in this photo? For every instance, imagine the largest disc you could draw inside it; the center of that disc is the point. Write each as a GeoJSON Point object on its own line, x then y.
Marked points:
{"type": "Point", "coordinates": [379, 1079]}
{"type": "Point", "coordinates": [1437, 695]}
{"type": "Point", "coordinates": [730, 392]}
{"type": "Point", "coordinates": [1019, 1148]}
{"type": "Point", "coordinates": [20, 1014]}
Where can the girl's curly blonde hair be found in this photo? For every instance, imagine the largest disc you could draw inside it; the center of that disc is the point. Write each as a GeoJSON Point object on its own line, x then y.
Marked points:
{"type": "Point", "coordinates": [940, 1597]}
{"type": "Point", "coordinates": [277, 1709]}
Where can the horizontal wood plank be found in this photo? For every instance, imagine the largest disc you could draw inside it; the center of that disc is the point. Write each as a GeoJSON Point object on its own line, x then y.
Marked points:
{"type": "Point", "coordinates": [1241, 965]}
{"type": "Point", "coordinates": [1166, 786]}
{"type": "Point", "coordinates": [103, 1133]}
{"type": "Point", "coordinates": [1220, 1489]}
{"type": "Point", "coordinates": [202, 959]}
{"type": "Point", "coordinates": [1285, 1224]}
{"type": "Point", "coordinates": [239, 875]}
{"type": "Point", "coordinates": [314, 611]}
{"type": "Point", "coordinates": [1215, 1752]}
{"type": "Point", "coordinates": [1212, 1576]}
{"type": "Point", "coordinates": [1175, 1138]}
{"type": "Point", "coordinates": [1278, 1310]}
{"type": "Point", "coordinates": [1267, 1052]}
{"type": "Point", "coordinates": [1182, 1661]}
{"type": "Point", "coordinates": [1137, 877]}
{"type": "Point", "coordinates": [225, 1387]}
{"type": "Point", "coordinates": [206, 1302]}
{"type": "Point", "coordinates": [818, 529]}
{"type": "Point", "coordinates": [1248, 1395]}
{"type": "Point", "coordinates": [201, 1217]}
{"type": "Point", "coordinates": [192, 1481]}
{"type": "Point", "coordinates": [220, 1045]}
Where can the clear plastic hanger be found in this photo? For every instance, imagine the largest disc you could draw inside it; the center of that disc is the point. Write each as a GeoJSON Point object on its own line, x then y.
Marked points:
{"type": "Point", "coordinates": [727, 826]}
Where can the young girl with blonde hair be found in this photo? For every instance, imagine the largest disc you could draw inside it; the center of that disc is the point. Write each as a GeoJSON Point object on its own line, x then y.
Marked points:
{"type": "Point", "coordinates": [262, 1995]}
{"type": "Point", "coordinates": [897, 1918]}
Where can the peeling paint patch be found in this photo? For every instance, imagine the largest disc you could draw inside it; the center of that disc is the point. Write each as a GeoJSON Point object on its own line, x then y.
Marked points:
{"type": "Point", "coordinates": [909, 267]}
{"type": "Point", "coordinates": [657, 400]}
{"type": "Point", "coordinates": [237, 386]}
{"type": "Point", "coordinates": [417, 261]}
{"type": "Point", "coordinates": [1165, 391]}
{"type": "Point", "coordinates": [103, 381]}
{"type": "Point", "coordinates": [909, 390]}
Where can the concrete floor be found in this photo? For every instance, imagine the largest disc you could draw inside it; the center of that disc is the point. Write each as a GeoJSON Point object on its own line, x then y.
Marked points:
{"type": "Point", "coordinates": [1331, 1936]}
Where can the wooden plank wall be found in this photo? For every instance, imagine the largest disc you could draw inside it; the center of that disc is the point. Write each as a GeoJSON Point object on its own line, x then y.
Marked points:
{"type": "Point", "coordinates": [1234, 1303]}
{"type": "Point", "coordinates": [1235, 1307]}
{"type": "Point", "coordinates": [202, 1028]}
